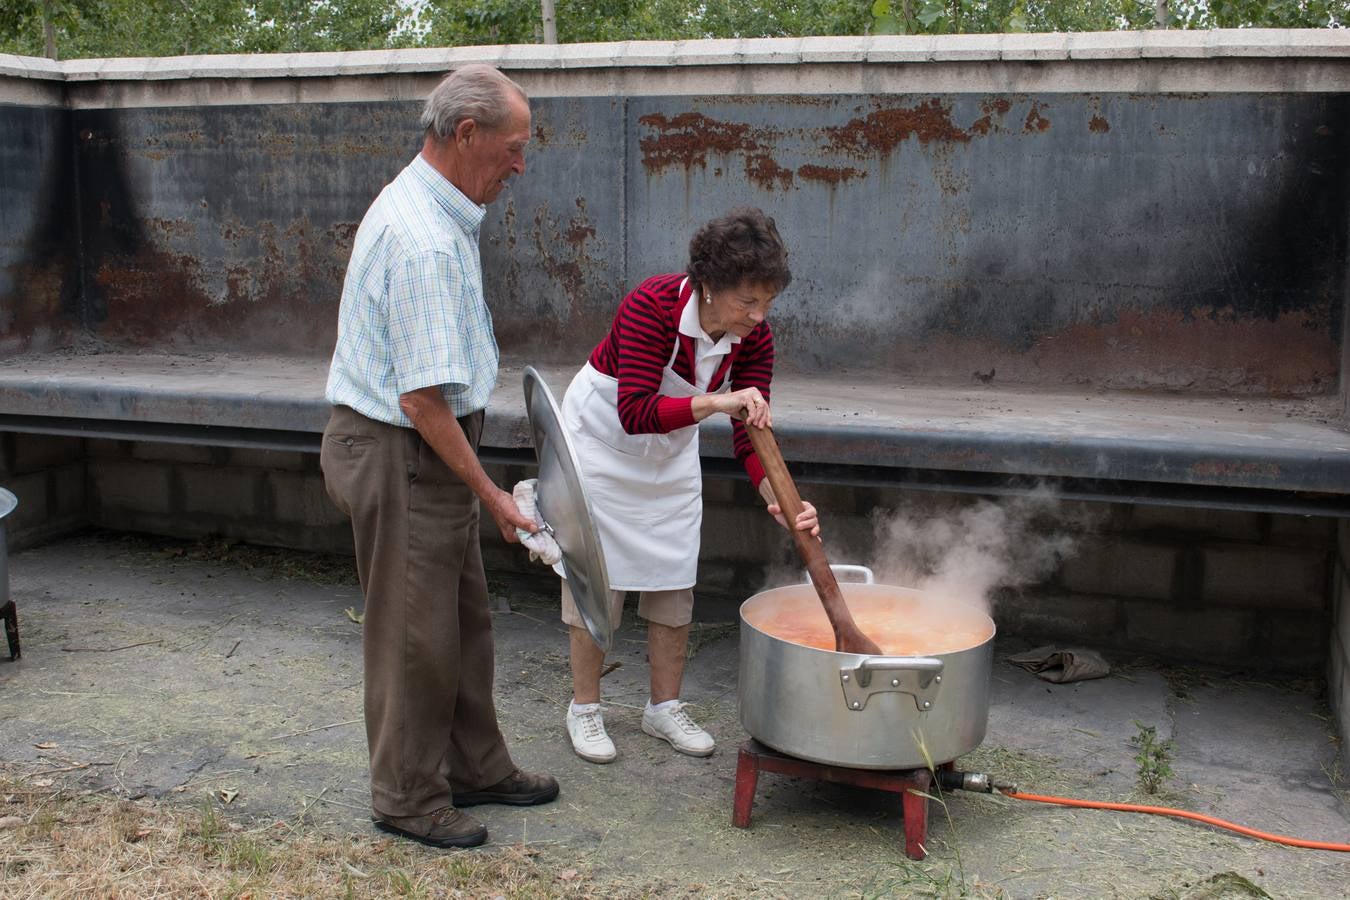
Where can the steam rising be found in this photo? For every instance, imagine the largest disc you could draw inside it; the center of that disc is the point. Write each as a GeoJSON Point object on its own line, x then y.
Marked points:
{"type": "Point", "coordinates": [967, 554]}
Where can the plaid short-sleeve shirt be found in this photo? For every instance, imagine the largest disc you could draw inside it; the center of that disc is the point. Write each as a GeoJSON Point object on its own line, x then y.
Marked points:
{"type": "Point", "coordinates": [412, 312]}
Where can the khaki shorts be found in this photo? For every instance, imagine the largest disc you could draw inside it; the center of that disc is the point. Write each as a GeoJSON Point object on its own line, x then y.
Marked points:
{"type": "Point", "coordinates": [672, 608]}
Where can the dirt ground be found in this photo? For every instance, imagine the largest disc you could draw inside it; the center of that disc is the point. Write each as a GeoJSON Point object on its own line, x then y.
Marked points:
{"type": "Point", "coordinates": [198, 674]}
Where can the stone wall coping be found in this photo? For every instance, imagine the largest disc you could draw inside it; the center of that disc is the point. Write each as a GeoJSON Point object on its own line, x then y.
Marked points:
{"type": "Point", "coordinates": [1267, 43]}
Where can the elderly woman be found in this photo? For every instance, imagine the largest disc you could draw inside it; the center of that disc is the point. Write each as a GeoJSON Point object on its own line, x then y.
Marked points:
{"type": "Point", "coordinates": [683, 347]}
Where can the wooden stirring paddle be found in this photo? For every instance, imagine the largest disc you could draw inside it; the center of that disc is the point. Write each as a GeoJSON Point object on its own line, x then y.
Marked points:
{"type": "Point", "coordinates": [848, 638]}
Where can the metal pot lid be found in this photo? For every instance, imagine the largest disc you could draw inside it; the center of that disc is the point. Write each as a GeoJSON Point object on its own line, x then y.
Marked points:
{"type": "Point", "coordinates": [567, 509]}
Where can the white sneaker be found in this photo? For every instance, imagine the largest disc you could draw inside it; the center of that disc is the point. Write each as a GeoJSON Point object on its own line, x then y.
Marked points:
{"type": "Point", "coordinates": [586, 726]}
{"type": "Point", "coordinates": [670, 722]}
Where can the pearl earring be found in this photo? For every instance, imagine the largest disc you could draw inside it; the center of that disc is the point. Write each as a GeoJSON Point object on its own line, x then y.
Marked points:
{"type": "Point", "coordinates": [708, 300]}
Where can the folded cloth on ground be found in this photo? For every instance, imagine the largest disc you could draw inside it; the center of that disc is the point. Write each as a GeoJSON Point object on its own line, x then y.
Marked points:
{"type": "Point", "coordinates": [541, 544]}
{"type": "Point", "coordinates": [1062, 665]}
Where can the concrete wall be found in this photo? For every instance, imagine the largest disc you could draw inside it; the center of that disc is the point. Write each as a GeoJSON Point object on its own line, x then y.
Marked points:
{"type": "Point", "coordinates": [1109, 212]}
{"type": "Point", "coordinates": [1239, 589]}
{"type": "Point", "coordinates": [1338, 667]}
{"type": "Point", "coordinates": [47, 475]}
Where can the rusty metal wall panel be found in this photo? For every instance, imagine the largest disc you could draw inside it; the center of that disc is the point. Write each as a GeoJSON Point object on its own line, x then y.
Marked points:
{"type": "Point", "coordinates": [553, 243]}
{"type": "Point", "coordinates": [39, 265]}
{"type": "Point", "coordinates": [1123, 241]}
{"type": "Point", "coordinates": [230, 227]}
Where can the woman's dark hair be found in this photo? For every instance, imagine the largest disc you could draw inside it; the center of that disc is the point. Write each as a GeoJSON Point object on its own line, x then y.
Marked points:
{"type": "Point", "coordinates": [743, 245]}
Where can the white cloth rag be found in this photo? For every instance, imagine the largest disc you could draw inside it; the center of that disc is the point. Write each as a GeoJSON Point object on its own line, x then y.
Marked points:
{"type": "Point", "coordinates": [541, 544]}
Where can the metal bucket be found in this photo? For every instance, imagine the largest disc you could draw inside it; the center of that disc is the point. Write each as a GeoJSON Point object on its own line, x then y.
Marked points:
{"type": "Point", "coordinates": [869, 712]}
{"type": "Point", "coordinates": [8, 503]}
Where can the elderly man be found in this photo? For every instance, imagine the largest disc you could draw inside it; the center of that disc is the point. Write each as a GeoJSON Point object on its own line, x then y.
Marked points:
{"type": "Point", "coordinates": [415, 362]}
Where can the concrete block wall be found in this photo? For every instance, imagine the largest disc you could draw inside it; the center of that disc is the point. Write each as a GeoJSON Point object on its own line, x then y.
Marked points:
{"type": "Point", "coordinates": [1338, 666]}
{"type": "Point", "coordinates": [47, 474]}
{"type": "Point", "coordinates": [1258, 591]}
{"type": "Point", "coordinates": [267, 497]}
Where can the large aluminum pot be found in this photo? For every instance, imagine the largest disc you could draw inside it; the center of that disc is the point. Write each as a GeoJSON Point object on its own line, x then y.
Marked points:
{"type": "Point", "coordinates": [924, 707]}
{"type": "Point", "coordinates": [8, 503]}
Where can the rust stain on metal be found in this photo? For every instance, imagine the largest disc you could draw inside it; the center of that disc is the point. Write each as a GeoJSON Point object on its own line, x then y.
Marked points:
{"type": "Point", "coordinates": [1197, 353]}
{"type": "Point", "coordinates": [153, 295]}
{"type": "Point", "coordinates": [368, 147]}
{"type": "Point", "coordinates": [1035, 122]}
{"type": "Point", "coordinates": [991, 108]}
{"type": "Point", "coordinates": [1218, 468]}
{"type": "Point", "coordinates": [276, 291]}
{"type": "Point", "coordinates": [1206, 348]}
{"type": "Point", "coordinates": [763, 170]}
{"type": "Point", "coordinates": [569, 273]}
{"type": "Point", "coordinates": [36, 315]}
{"type": "Point", "coordinates": [880, 132]}
{"type": "Point", "coordinates": [688, 138]}
{"type": "Point", "coordinates": [579, 233]}
{"type": "Point", "coordinates": [1098, 125]}
{"type": "Point", "coordinates": [172, 228]}
{"type": "Point", "coordinates": [830, 175]}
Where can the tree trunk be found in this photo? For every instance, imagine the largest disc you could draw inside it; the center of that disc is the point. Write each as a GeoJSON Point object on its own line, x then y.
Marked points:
{"type": "Point", "coordinates": [550, 22]}
{"type": "Point", "coordinates": [48, 29]}
{"type": "Point", "coordinates": [1160, 14]}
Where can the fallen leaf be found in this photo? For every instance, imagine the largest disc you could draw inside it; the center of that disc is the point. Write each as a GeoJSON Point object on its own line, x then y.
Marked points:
{"type": "Point", "coordinates": [568, 875]}
{"type": "Point", "coordinates": [11, 821]}
{"type": "Point", "coordinates": [180, 789]}
{"type": "Point", "coordinates": [355, 616]}
{"type": "Point", "coordinates": [226, 795]}
{"type": "Point", "coordinates": [235, 826]}
{"type": "Point", "coordinates": [140, 835]}
{"type": "Point", "coordinates": [47, 745]}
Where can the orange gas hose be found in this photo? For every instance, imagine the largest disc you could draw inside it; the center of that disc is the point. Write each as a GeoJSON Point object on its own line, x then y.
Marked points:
{"type": "Point", "coordinates": [1178, 814]}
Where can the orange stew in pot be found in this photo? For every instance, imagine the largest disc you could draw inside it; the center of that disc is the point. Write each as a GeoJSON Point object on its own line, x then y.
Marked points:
{"type": "Point", "coordinates": [901, 625]}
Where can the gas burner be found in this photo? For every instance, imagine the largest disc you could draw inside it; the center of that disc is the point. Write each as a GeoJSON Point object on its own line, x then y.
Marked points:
{"type": "Point", "coordinates": [911, 784]}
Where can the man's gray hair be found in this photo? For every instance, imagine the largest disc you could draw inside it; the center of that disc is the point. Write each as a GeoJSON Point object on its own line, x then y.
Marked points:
{"type": "Point", "coordinates": [477, 91]}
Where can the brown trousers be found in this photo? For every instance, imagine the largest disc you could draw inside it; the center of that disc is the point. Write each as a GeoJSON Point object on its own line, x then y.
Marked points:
{"type": "Point", "coordinates": [427, 638]}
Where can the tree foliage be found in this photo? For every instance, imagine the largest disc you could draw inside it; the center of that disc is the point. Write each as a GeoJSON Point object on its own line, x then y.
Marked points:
{"type": "Point", "coordinates": [168, 27]}
{"type": "Point", "coordinates": [82, 28]}
{"type": "Point", "coordinates": [983, 16]}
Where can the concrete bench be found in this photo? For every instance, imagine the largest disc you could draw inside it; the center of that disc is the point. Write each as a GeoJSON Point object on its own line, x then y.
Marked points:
{"type": "Point", "coordinates": [1238, 452]}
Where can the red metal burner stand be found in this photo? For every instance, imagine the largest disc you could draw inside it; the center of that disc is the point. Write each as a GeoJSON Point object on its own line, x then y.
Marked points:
{"type": "Point", "coordinates": [755, 758]}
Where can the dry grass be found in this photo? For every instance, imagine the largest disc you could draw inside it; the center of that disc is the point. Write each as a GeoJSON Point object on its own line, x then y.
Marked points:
{"type": "Point", "coordinates": [59, 842]}
{"type": "Point", "coordinates": [267, 562]}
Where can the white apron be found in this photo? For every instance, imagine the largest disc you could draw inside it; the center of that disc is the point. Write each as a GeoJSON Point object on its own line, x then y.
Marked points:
{"type": "Point", "coordinates": [646, 490]}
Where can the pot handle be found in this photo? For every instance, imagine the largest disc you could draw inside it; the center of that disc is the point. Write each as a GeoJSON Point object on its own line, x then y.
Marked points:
{"type": "Point", "coordinates": [847, 569]}
{"type": "Point", "coordinates": [918, 676]}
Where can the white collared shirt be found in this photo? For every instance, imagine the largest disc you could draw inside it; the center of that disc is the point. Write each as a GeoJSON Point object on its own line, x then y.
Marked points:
{"type": "Point", "coordinates": [707, 352]}
{"type": "Point", "coordinates": [412, 313]}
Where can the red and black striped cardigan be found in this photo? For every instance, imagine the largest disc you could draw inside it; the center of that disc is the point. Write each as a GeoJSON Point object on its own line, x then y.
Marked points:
{"type": "Point", "coordinates": [638, 346]}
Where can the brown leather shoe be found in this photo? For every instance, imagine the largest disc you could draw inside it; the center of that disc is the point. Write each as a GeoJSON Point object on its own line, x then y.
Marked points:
{"type": "Point", "coordinates": [443, 828]}
{"type": "Point", "coordinates": [517, 789]}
